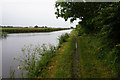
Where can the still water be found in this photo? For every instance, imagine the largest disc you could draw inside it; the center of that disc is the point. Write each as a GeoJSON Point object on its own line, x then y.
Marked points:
{"type": "Point", "coordinates": [12, 45]}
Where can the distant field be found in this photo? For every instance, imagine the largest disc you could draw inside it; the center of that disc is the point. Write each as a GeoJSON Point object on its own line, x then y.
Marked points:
{"type": "Point", "coordinates": [30, 30]}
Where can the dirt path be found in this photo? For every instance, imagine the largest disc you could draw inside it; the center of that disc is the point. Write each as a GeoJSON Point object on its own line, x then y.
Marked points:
{"type": "Point", "coordinates": [76, 62]}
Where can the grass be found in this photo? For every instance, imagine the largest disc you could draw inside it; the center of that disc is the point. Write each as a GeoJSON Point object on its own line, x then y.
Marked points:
{"type": "Point", "coordinates": [62, 63]}
{"type": "Point", "coordinates": [30, 30]}
{"type": "Point", "coordinates": [91, 65]}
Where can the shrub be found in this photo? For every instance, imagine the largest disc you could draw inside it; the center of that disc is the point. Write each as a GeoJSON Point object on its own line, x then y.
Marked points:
{"type": "Point", "coordinates": [35, 60]}
{"type": "Point", "coordinates": [3, 35]}
{"type": "Point", "coordinates": [63, 38]}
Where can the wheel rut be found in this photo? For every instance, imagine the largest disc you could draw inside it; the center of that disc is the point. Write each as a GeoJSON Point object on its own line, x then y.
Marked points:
{"type": "Point", "coordinates": [76, 61]}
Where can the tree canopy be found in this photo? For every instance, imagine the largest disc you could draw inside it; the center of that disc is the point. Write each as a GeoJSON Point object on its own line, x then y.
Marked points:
{"type": "Point", "coordinates": [102, 17]}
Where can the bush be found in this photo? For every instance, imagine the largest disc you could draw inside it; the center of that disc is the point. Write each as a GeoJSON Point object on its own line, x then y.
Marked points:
{"type": "Point", "coordinates": [63, 38]}
{"type": "Point", "coordinates": [3, 35]}
{"type": "Point", "coordinates": [35, 60]}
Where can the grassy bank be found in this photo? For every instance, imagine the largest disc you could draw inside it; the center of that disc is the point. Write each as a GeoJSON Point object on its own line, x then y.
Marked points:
{"type": "Point", "coordinates": [62, 64]}
{"type": "Point", "coordinates": [91, 64]}
{"type": "Point", "coordinates": [93, 60]}
{"type": "Point", "coordinates": [30, 30]}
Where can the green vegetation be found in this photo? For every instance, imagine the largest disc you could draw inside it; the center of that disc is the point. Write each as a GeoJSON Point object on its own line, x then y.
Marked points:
{"type": "Point", "coordinates": [92, 66]}
{"type": "Point", "coordinates": [30, 30]}
{"type": "Point", "coordinates": [3, 35]}
{"type": "Point", "coordinates": [62, 39]}
{"type": "Point", "coordinates": [36, 26]}
{"type": "Point", "coordinates": [63, 67]}
{"type": "Point", "coordinates": [72, 27]}
{"type": "Point", "coordinates": [92, 50]}
{"type": "Point", "coordinates": [99, 36]}
{"type": "Point", "coordinates": [36, 60]}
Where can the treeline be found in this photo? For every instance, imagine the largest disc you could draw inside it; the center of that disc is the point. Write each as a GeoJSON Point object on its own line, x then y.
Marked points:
{"type": "Point", "coordinates": [101, 22]}
{"type": "Point", "coordinates": [23, 27]}
{"type": "Point", "coordinates": [30, 30]}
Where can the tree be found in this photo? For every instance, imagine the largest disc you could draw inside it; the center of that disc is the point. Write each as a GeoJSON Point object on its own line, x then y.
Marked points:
{"type": "Point", "coordinates": [99, 20]}
{"type": "Point", "coordinates": [84, 11]}
{"type": "Point", "coordinates": [36, 26]}
{"type": "Point", "coordinates": [45, 26]}
{"type": "Point", "coordinates": [79, 10]}
{"type": "Point", "coordinates": [71, 27]}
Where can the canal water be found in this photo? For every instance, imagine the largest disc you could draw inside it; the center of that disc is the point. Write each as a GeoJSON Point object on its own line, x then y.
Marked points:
{"type": "Point", "coordinates": [13, 44]}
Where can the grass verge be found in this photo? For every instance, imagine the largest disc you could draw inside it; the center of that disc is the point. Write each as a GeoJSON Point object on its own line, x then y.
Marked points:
{"type": "Point", "coordinates": [91, 66]}
{"type": "Point", "coordinates": [62, 63]}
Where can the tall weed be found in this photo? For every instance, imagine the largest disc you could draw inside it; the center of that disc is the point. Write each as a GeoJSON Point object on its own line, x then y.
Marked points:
{"type": "Point", "coordinates": [63, 38]}
{"type": "Point", "coordinates": [35, 60]}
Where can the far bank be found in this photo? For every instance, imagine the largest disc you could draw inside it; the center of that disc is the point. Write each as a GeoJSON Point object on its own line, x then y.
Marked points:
{"type": "Point", "coordinates": [30, 30]}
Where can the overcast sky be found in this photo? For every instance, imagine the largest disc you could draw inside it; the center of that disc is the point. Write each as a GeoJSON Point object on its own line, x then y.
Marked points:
{"type": "Point", "coordinates": [31, 13]}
